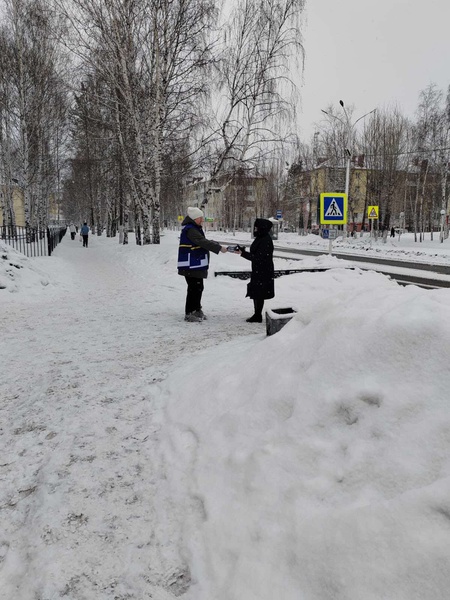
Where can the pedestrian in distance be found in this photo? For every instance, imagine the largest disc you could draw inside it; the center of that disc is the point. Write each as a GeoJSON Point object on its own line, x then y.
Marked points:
{"type": "Point", "coordinates": [392, 232]}
{"type": "Point", "coordinates": [261, 286]}
{"type": "Point", "coordinates": [193, 261]}
{"type": "Point", "coordinates": [84, 232]}
{"type": "Point", "coordinates": [73, 231]}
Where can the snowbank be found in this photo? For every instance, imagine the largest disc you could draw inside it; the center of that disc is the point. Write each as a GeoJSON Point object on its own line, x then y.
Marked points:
{"type": "Point", "coordinates": [317, 461]}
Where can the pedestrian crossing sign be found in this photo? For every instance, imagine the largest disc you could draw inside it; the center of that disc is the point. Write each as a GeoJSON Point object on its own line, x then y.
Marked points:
{"type": "Point", "coordinates": [372, 212]}
{"type": "Point", "coordinates": [333, 208]}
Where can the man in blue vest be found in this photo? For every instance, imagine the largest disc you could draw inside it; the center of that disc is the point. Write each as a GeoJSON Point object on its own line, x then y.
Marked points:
{"type": "Point", "coordinates": [193, 261]}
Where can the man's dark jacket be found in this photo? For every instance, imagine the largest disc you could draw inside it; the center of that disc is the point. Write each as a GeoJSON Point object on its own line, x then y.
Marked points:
{"type": "Point", "coordinates": [197, 237]}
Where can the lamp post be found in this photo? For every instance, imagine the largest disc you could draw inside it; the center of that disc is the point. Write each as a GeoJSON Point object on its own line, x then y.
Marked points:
{"type": "Point", "coordinates": [349, 127]}
{"type": "Point", "coordinates": [402, 224]}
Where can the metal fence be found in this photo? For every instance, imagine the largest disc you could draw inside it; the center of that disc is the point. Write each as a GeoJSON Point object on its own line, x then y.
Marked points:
{"type": "Point", "coordinates": [33, 241]}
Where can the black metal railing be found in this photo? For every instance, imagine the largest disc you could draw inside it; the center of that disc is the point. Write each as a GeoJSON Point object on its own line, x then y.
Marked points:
{"type": "Point", "coordinates": [33, 241]}
{"type": "Point", "coordinates": [247, 274]}
{"type": "Point", "coordinates": [54, 235]}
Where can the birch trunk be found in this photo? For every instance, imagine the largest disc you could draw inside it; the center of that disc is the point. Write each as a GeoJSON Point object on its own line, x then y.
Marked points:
{"type": "Point", "coordinates": [421, 211]}
{"type": "Point", "coordinates": [24, 142]}
{"type": "Point", "coordinates": [98, 216]}
{"type": "Point", "coordinates": [445, 203]}
{"type": "Point", "coordinates": [109, 226]}
{"type": "Point", "coordinates": [157, 134]}
{"type": "Point", "coordinates": [444, 198]}
{"type": "Point", "coordinates": [6, 193]}
{"type": "Point", "coordinates": [137, 225]}
{"type": "Point", "coordinates": [126, 216]}
{"type": "Point", "coordinates": [143, 187]}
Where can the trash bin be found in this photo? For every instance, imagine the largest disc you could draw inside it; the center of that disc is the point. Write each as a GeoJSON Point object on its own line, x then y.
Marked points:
{"type": "Point", "coordinates": [277, 318]}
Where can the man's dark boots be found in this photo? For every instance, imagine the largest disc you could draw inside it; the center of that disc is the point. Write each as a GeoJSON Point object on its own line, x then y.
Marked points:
{"type": "Point", "coordinates": [255, 319]}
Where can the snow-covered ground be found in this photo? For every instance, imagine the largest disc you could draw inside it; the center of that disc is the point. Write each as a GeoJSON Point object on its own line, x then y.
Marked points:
{"type": "Point", "coordinates": [399, 248]}
{"type": "Point", "coordinates": [145, 457]}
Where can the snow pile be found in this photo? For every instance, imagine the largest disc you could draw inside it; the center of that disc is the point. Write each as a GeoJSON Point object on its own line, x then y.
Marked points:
{"type": "Point", "coordinates": [20, 274]}
{"type": "Point", "coordinates": [315, 464]}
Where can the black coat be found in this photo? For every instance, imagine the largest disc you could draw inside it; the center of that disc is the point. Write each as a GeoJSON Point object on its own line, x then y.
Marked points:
{"type": "Point", "coordinates": [261, 286]}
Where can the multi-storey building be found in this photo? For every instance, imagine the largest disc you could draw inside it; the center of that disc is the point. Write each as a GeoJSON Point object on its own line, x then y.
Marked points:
{"type": "Point", "coordinates": [309, 184]}
{"type": "Point", "coordinates": [231, 201]}
{"type": "Point", "coordinates": [12, 208]}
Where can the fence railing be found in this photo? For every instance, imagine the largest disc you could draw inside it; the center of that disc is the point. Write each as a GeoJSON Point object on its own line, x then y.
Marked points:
{"type": "Point", "coordinates": [33, 241]}
{"type": "Point", "coordinates": [247, 274]}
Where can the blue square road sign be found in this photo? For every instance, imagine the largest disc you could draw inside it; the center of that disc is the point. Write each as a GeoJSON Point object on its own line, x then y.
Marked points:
{"type": "Point", "coordinates": [333, 208]}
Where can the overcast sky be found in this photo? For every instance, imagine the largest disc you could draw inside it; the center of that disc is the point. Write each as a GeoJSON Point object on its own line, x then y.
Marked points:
{"type": "Point", "coordinates": [372, 54]}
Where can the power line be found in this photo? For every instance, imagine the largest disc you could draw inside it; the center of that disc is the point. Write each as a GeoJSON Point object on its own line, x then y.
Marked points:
{"type": "Point", "coordinates": [421, 151]}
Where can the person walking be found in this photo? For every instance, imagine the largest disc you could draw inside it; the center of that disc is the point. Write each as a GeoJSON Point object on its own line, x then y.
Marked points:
{"type": "Point", "coordinates": [261, 286]}
{"type": "Point", "coordinates": [193, 261]}
{"type": "Point", "coordinates": [72, 230]}
{"type": "Point", "coordinates": [84, 232]}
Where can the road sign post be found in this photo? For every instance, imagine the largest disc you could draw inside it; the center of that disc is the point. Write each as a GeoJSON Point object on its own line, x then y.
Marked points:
{"type": "Point", "coordinates": [333, 211]}
{"type": "Point", "coordinates": [372, 214]}
{"type": "Point", "coordinates": [326, 236]}
{"type": "Point", "coordinates": [332, 235]}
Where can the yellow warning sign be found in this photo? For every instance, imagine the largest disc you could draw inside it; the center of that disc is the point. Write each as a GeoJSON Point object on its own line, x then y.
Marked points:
{"type": "Point", "coordinates": [372, 212]}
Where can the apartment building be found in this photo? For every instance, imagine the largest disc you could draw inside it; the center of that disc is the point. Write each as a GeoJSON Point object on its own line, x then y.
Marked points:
{"type": "Point", "coordinates": [231, 201]}
{"type": "Point", "coordinates": [17, 205]}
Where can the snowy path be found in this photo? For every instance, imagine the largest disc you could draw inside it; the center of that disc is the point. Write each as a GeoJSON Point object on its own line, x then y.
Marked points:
{"type": "Point", "coordinates": [138, 451]}
{"type": "Point", "coordinates": [85, 512]}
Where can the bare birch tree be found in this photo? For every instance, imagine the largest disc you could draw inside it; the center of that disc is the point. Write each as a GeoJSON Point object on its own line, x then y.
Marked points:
{"type": "Point", "coordinates": [152, 54]}
{"type": "Point", "coordinates": [254, 94]}
{"type": "Point", "coordinates": [35, 106]}
{"type": "Point", "coordinates": [383, 143]}
{"type": "Point", "coordinates": [444, 156]}
{"type": "Point", "coordinates": [431, 135]}
{"type": "Point", "coordinates": [6, 135]}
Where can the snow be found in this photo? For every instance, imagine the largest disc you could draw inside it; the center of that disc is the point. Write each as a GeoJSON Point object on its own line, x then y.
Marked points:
{"type": "Point", "coordinates": [403, 248]}
{"type": "Point", "coordinates": [145, 457]}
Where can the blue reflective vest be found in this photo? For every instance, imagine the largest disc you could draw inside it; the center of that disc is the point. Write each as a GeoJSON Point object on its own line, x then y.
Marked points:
{"type": "Point", "coordinates": [190, 257]}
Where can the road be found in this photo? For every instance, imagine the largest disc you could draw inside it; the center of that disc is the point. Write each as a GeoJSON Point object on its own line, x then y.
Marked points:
{"type": "Point", "coordinates": [426, 275]}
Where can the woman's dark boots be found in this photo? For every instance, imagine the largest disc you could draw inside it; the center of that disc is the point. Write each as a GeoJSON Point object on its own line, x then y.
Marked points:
{"type": "Point", "coordinates": [257, 317]}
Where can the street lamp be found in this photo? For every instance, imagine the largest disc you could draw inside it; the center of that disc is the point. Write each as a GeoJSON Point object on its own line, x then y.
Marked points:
{"type": "Point", "coordinates": [402, 224]}
{"type": "Point", "coordinates": [349, 126]}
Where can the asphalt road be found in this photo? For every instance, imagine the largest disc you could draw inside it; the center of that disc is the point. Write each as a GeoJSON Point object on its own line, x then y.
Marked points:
{"type": "Point", "coordinates": [379, 264]}
{"type": "Point", "coordinates": [409, 273]}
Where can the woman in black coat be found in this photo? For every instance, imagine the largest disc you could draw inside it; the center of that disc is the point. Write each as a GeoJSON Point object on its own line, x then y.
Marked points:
{"type": "Point", "coordinates": [261, 286]}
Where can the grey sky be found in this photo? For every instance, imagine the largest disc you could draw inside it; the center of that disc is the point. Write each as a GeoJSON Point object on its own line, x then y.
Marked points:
{"type": "Point", "coordinates": [372, 54]}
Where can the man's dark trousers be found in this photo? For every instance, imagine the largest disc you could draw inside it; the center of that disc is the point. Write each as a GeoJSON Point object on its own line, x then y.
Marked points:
{"type": "Point", "coordinates": [194, 294]}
